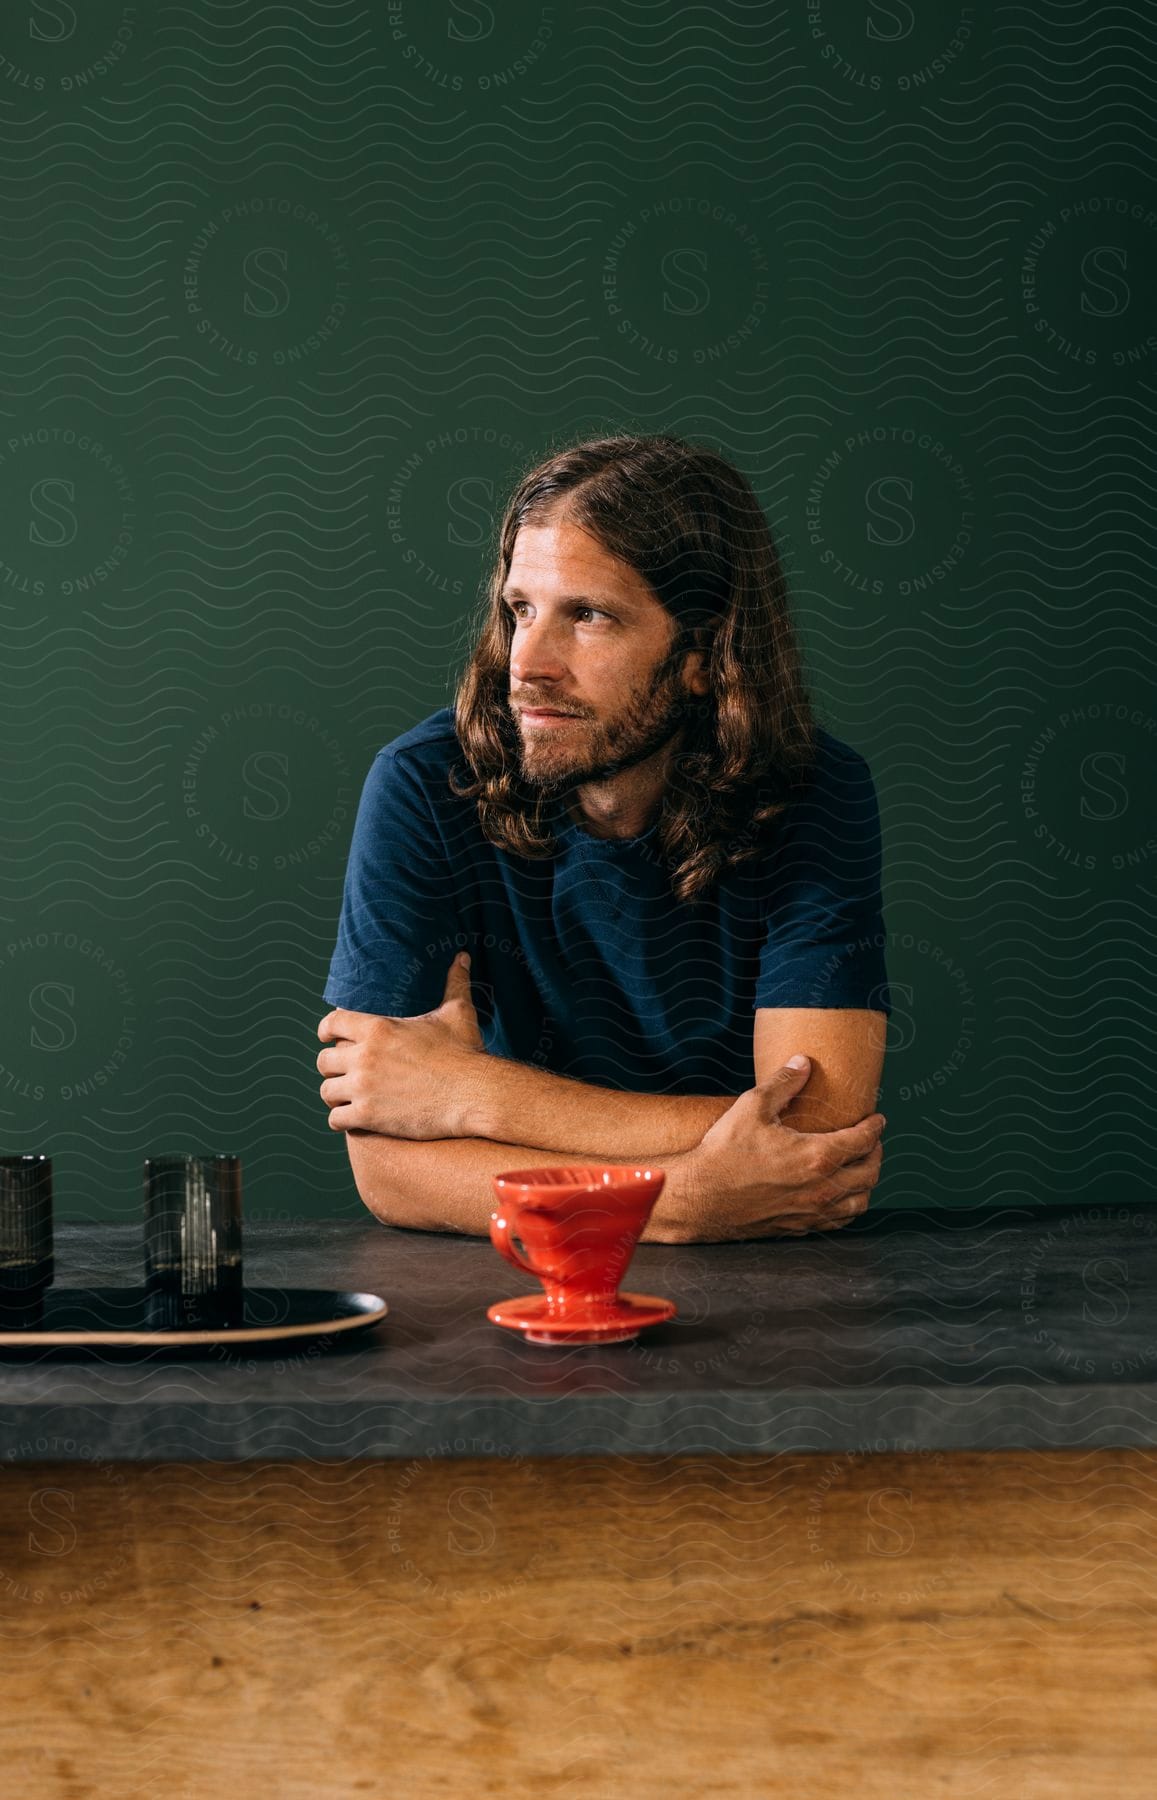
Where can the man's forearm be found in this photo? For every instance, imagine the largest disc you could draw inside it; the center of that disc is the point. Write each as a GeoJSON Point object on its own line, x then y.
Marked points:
{"type": "Point", "coordinates": [551, 1112]}
{"type": "Point", "coordinates": [443, 1184]}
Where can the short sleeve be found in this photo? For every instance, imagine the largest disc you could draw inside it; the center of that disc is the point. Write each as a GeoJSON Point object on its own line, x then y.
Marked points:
{"type": "Point", "coordinates": [398, 921]}
{"type": "Point", "coordinates": [825, 941]}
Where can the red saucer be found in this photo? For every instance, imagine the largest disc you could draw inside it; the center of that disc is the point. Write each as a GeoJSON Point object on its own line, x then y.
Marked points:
{"type": "Point", "coordinates": [614, 1324]}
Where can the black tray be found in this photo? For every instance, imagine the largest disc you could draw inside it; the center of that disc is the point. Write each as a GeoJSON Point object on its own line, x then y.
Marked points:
{"type": "Point", "coordinates": [119, 1316]}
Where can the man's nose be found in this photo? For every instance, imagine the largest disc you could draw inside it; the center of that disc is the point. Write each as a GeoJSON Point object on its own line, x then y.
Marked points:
{"type": "Point", "coordinates": [533, 656]}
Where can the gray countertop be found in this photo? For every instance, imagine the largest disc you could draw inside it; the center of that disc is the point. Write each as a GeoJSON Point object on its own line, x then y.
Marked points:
{"type": "Point", "coordinates": [904, 1331]}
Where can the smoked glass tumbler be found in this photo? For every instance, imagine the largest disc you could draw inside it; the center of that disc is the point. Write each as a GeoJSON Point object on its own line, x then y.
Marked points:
{"type": "Point", "coordinates": [193, 1273]}
{"type": "Point", "coordinates": [27, 1264]}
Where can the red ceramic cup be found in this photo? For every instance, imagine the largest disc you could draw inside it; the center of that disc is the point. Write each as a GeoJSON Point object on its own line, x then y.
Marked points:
{"type": "Point", "coordinates": [578, 1227]}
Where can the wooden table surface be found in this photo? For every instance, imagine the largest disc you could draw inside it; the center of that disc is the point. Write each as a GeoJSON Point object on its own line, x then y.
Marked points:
{"type": "Point", "coordinates": [461, 1617]}
{"type": "Point", "coordinates": [893, 1627]}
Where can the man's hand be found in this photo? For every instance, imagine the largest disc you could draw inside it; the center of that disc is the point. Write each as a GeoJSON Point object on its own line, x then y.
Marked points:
{"type": "Point", "coordinates": [752, 1176]}
{"type": "Point", "coordinates": [405, 1078]}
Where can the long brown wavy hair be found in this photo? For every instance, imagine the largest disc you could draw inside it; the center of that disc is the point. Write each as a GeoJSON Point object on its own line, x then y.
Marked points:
{"type": "Point", "coordinates": [690, 524]}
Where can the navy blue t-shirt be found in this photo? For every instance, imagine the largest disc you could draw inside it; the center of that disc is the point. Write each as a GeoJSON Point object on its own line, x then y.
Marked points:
{"type": "Point", "coordinates": [586, 963]}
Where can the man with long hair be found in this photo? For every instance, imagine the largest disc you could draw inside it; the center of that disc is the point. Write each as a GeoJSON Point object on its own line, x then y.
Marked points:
{"type": "Point", "coordinates": [662, 877]}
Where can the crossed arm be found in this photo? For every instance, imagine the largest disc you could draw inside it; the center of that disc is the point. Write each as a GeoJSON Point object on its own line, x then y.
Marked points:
{"type": "Point", "coordinates": [526, 1117]}
{"type": "Point", "coordinates": [443, 1184]}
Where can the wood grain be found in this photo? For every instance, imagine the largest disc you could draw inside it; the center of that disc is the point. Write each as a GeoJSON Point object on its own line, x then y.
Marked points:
{"type": "Point", "coordinates": [888, 1626]}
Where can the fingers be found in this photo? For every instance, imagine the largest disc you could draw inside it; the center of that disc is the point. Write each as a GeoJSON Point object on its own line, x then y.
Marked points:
{"type": "Point", "coordinates": [828, 1216]}
{"type": "Point", "coordinates": [844, 1194]}
{"type": "Point", "coordinates": [835, 1148]}
{"type": "Point", "coordinates": [458, 976]}
{"type": "Point", "coordinates": [348, 1026]}
{"type": "Point", "coordinates": [843, 1215]}
{"type": "Point", "coordinates": [847, 1206]}
{"type": "Point", "coordinates": [337, 1024]}
{"type": "Point", "coordinates": [863, 1173]}
{"type": "Point", "coordinates": [823, 1216]}
{"type": "Point", "coordinates": [784, 1085]}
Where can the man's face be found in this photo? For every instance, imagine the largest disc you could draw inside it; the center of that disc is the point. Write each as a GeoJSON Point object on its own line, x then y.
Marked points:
{"type": "Point", "coordinates": [590, 640]}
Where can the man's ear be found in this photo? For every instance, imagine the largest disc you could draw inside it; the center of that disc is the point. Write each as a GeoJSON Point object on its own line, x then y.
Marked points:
{"type": "Point", "coordinates": [695, 674]}
{"type": "Point", "coordinates": [699, 638]}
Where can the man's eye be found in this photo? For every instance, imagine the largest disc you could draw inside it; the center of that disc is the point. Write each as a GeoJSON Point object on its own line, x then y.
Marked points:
{"type": "Point", "coordinates": [595, 611]}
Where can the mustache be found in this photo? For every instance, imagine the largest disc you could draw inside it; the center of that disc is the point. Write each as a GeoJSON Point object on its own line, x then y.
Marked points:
{"type": "Point", "coordinates": [545, 706]}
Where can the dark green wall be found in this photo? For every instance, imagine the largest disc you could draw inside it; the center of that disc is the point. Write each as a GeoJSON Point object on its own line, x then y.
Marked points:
{"type": "Point", "coordinates": [292, 294]}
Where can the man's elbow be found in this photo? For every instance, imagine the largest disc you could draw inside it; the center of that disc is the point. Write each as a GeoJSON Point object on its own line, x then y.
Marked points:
{"type": "Point", "coordinates": [401, 1182]}
{"type": "Point", "coordinates": [375, 1176]}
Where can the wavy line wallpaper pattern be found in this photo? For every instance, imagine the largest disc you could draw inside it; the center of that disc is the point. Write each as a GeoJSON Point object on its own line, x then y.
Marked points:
{"type": "Point", "coordinates": [292, 294]}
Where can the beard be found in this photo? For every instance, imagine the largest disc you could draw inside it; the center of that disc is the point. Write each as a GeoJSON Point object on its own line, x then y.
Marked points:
{"type": "Point", "coordinates": [598, 749]}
